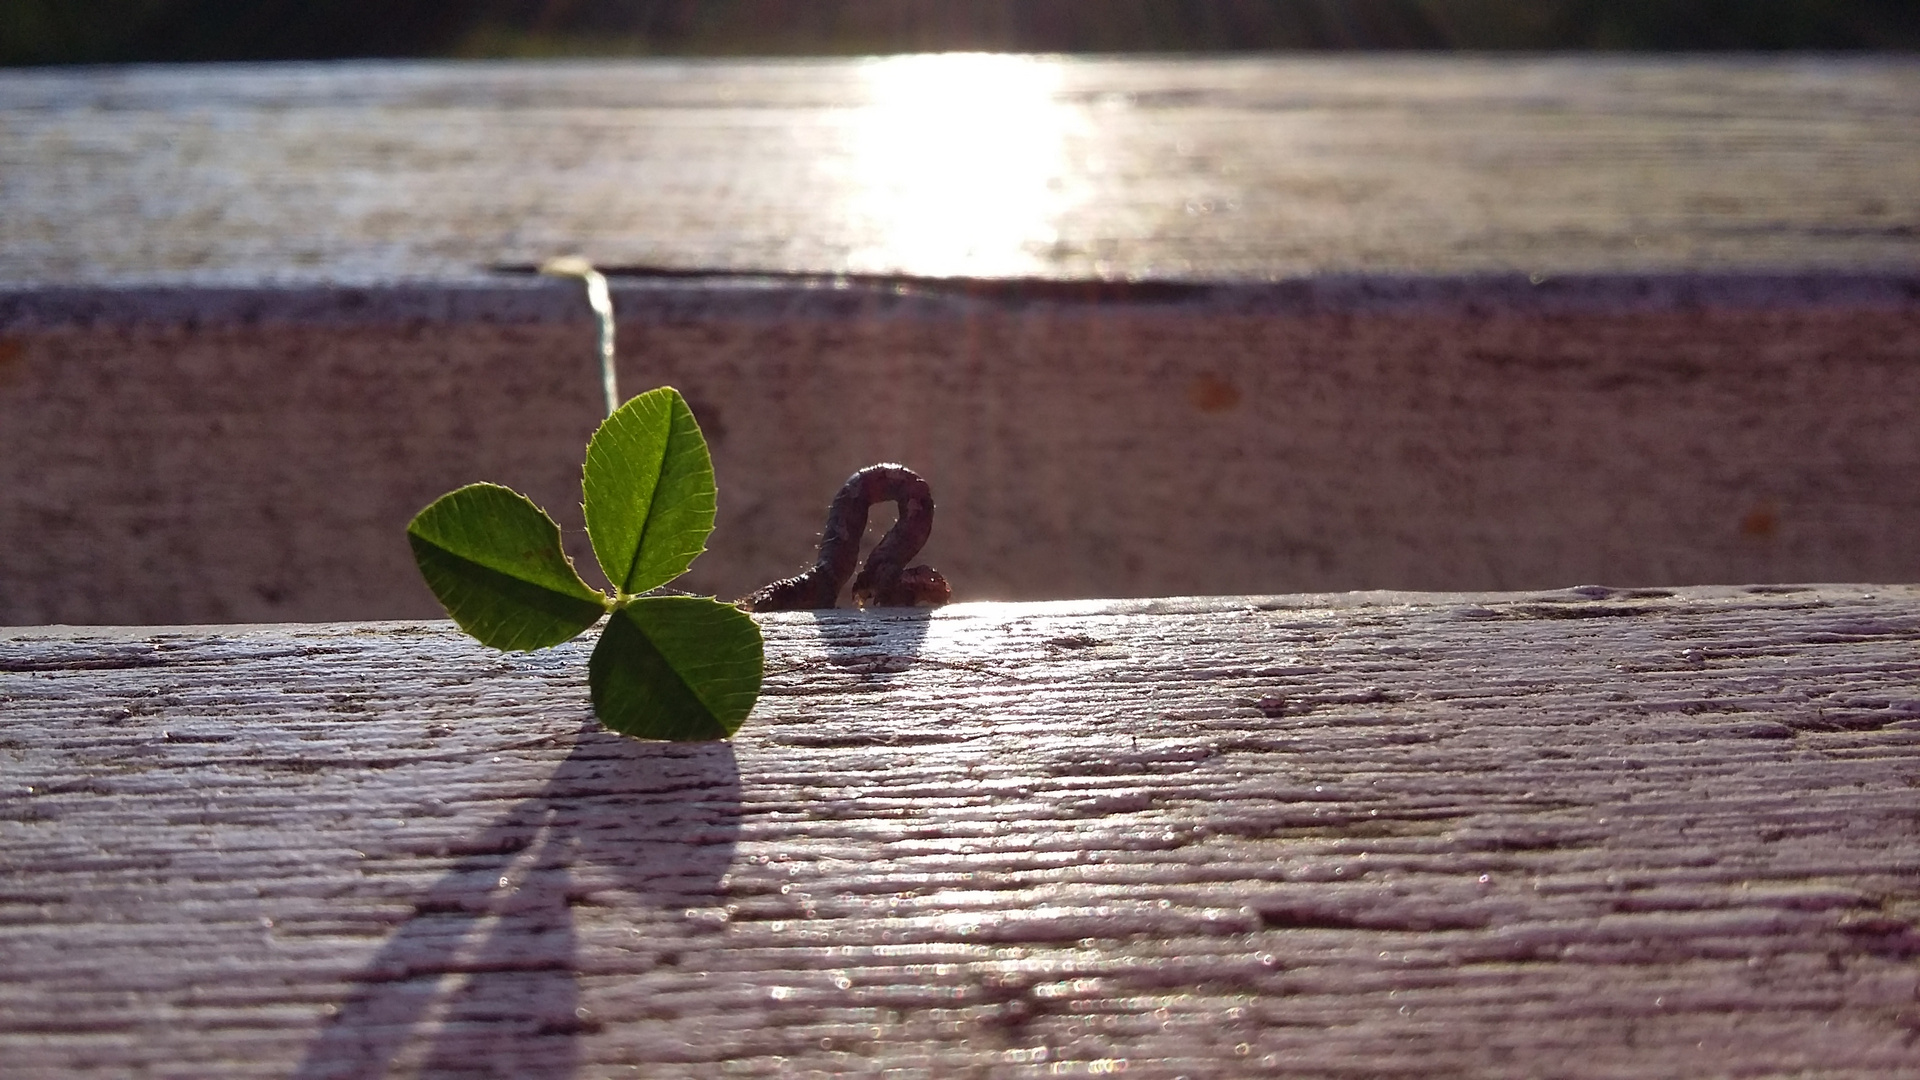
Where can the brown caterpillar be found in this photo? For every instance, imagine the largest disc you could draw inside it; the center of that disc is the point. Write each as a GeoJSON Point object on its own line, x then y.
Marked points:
{"type": "Point", "coordinates": [885, 580]}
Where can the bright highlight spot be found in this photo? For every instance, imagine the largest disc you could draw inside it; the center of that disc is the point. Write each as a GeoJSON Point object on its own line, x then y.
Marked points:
{"type": "Point", "coordinates": [958, 165]}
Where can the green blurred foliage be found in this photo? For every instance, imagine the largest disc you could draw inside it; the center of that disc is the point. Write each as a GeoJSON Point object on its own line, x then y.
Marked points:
{"type": "Point", "coordinates": [91, 31]}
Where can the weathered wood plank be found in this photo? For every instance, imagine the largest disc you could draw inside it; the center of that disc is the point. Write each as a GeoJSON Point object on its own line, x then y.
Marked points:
{"type": "Point", "coordinates": [1221, 169]}
{"type": "Point", "coordinates": [1587, 833]}
{"type": "Point", "coordinates": [247, 473]}
{"type": "Point", "coordinates": [201, 422]}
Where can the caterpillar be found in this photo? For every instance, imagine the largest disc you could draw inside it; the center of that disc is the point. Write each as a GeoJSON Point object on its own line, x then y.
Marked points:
{"type": "Point", "coordinates": [885, 580]}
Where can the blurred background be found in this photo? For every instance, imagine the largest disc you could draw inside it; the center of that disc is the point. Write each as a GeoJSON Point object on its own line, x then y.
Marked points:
{"type": "Point", "coordinates": [35, 32]}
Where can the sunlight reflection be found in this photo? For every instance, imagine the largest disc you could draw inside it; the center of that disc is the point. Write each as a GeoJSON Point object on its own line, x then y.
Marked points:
{"type": "Point", "coordinates": [958, 164]}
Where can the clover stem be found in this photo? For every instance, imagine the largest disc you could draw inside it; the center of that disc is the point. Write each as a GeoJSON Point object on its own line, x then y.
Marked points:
{"type": "Point", "coordinates": [601, 301]}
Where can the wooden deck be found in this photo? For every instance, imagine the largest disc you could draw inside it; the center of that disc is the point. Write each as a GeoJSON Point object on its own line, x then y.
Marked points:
{"type": "Point", "coordinates": [1588, 833]}
{"type": "Point", "coordinates": [1363, 323]}
{"type": "Point", "coordinates": [1402, 322]}
{"type": "Point", "coordinates": [1246, 169]}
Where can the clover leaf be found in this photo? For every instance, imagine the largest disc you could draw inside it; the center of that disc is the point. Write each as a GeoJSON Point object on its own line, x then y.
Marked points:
{"type": "Point", "coordinates": [676, 667]}
{"type": "Point", "coordinates": [494, 560]}
{"type": "Point", "coordinates": [649, 490]}
{"type": "Point", "coordinates": [666, 667]}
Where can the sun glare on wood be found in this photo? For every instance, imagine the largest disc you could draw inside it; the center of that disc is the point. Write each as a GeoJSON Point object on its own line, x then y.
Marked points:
{"type": "Point", "coordinates": [957, 165]}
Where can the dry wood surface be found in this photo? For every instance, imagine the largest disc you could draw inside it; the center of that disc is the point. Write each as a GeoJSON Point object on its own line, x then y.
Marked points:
{"type": "Point", "coordinates": [1594, 832]}
{"type": "Point", "coordinates": [1219, 169]}
{"type": "Point", "coordinates": [1385, 322]}
{"type": "Point", "coordinates": [266, 473]}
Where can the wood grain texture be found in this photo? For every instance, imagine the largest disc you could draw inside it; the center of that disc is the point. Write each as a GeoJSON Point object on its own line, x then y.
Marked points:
{"type": "Point", "coordinates": [1411, 322]}
{"type": "Point", "coordinates": [253, 473]}
{"type": "Point", "coordinates": [1588, 833]}
{"type": "Point", "coordinates": [1219, 169]}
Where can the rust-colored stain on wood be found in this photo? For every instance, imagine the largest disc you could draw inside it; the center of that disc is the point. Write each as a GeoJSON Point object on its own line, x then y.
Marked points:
{"type": "Point", "coordinates": [1211, 393]}
{"type": "Point", "coordinates": [13, 354]}
{"type": "Point", "coordinates": [1761, 522]}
